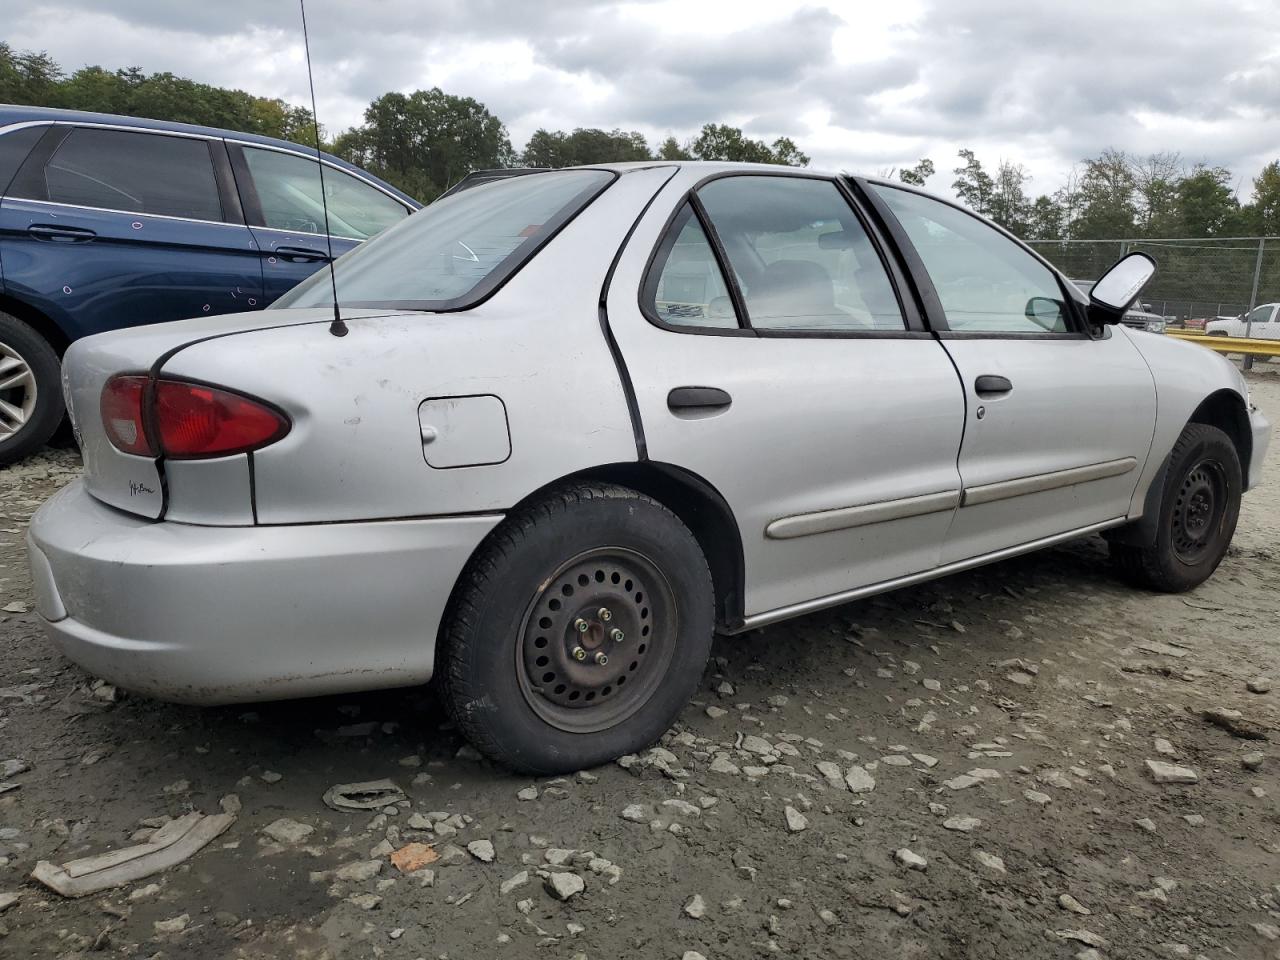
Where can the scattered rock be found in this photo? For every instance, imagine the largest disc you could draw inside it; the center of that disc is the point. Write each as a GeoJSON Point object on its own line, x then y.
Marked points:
{"type": "Point", "coordinates": [1162, 772]}
{"type": "Point", "coordinates": [796, 821]}
{"type": "Point", "coordinates": [1147, 824]}
{"type": "Point", "coordinates": [1164, 747]}
{"type": "Point", "coordinates": [514, 882]}
{"type": "Point", "coordinates": [174, 925]}
{"type": "Point", "coordinates": [1234, 723]}
{"type": "Point", "coordinates": [7, 900]}
{"type": "Point", "coordinates": [285, 830]}
{"type": "Point", "coordinates": [858, 780]}
{"type": "Point", "coordinates": [989, 860]}
{"type": "Point", "coordinates": [1035, 796]}
{"type": "Point", "coordinates": [962, 824]}
{"type": "Point", "coordinates": [912, 861]}
{"type": "Point", "coordinates": [1252, 761]}
{"type": "Point", "coordinates": [527, 793]}
{"type": "Point", "coordinates": [635, 813]}
{"type": "Point", "coordinates": [359, 871]}
{"type": "Point", "coordinates": [563, 886]}
{"type": "Point", "coordinates": [482, 850]}
{"type": "Point", "coordinates": [1256, 685]}
{"type": "Point", "coordinates": [696, 907]}
{"type": "Point", "coordinates": [1067, 902]}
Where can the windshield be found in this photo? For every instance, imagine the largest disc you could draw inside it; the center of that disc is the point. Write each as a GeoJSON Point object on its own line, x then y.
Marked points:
{"type": "Point", "coordinates": [455, 252]}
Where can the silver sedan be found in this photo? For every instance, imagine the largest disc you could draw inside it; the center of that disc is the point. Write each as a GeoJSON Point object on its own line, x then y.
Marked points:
{"type": "Point", "coordinates": [566, 425]}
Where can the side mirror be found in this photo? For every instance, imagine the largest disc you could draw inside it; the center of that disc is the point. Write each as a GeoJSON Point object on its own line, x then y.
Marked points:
{"type": "Point", "coordinates": [1046, 313]}
{"type": "Point", "coordinates": [1120, 286]}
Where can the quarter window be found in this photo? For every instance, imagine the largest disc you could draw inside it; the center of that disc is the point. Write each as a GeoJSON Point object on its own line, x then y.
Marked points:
{"type": "Point", "coordinates": [986, 282]}
{"type": "Point", "coordinates": [800, 255]}
{"type": "Point", "coordinates": [689, 290]}
{"type": "Point", "coordinates": [289, 190]}
{"type": "Point", "coordinates": [136, 172]}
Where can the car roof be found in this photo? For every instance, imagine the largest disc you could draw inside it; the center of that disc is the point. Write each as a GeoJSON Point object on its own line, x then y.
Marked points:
{"type": "Point", "coordinates": [13, 114]}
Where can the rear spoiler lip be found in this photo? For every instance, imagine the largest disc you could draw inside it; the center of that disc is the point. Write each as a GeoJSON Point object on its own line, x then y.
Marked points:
{"type": "Point", "coordinates": [477, 177]}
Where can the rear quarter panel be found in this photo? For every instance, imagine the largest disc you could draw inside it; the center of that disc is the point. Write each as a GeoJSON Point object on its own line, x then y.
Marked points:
{"type": "Point", "coordinates": [355, 451]}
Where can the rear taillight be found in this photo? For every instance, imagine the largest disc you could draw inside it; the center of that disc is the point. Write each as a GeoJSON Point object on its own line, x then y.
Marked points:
{"type": "Point", "coordinates": [185, 421]}
{"type": "Point", "coordinates": [122, 415]}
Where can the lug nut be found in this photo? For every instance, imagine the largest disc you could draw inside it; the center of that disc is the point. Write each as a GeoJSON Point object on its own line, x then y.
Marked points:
{"type": "Point", "coordinates": [581, 625]}
{"type": "Point", "coordinates": [617, 635]}
{"type": "Point", "coordinates": [604, 613]}
{"type": "Point", "coordinates": [602, 658]}
{"type": "Point", "coordinates": [579, 654]}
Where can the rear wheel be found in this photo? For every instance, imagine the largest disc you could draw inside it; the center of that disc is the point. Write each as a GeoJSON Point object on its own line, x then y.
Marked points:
{"type": "Point", "coordinates": [30, 390]}
{"type": "Point", "coordinates": [1199, 506]}
{"type": "Point", "coordinates": [578, 631]}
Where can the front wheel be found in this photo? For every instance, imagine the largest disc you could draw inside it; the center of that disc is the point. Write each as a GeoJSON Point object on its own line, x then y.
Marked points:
{"type": "Point", "coordinates": [578, 630]}
{"type": "Point", "coordinates": [1199, 506]}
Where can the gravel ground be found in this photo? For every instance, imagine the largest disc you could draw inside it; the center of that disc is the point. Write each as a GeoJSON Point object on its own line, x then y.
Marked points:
{"type": "Point", "coordinates": [959, 770]}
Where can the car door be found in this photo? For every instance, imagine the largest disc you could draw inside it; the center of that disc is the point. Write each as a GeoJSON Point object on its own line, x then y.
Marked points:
{"type": "Point", "coordinates": [105, 228]}
{"type": "Point", "coordinates": [286, 210]}
{"type": "Point", "coordinates": [1058, 422]}
{"type": "Point", "coordinates": [772, 355]}
{"type": "Point", "coordinates": [1259, 323]}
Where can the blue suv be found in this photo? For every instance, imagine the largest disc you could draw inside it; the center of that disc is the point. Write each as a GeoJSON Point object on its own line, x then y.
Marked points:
{"type": "Point", "coordinates": [110, 222]}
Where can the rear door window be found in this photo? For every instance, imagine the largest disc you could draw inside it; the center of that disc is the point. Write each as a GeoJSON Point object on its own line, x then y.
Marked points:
{"type": "Point", "coordinates": [800, 256]}
{"type": "Point", "coordinates": [289, 190]}
{"type": "Point", "coordinates": [134, 172]}
{"type": "Point", "coordinates": [685, 287]}
{"type": "Point", "coordinates": [14, 148]}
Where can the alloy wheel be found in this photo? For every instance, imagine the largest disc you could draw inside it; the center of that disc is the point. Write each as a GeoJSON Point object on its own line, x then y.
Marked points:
{"type": "Point", "coordinates": [17, 392]}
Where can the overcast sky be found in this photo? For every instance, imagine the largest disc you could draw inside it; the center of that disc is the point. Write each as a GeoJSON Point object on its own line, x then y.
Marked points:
{"type": "Point", "coordinates": [858, 85]}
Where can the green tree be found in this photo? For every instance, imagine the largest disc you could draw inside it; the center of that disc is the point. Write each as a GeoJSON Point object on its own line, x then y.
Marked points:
{"type": "Point", "coordinates": [917, 175]}
{"type": "Point", "coordinates": [973, 185]}
{"type": "Point", "coordinates": [1010, 205]}
{"type": "Point", "coordinates": [719, 141]}
{"type": "Point", "coordinates": [1107, 205]}
{"type": "Point", "coordinates": [27, 77]}
{"type": "Point", "coordinates": [1264, 211]}
{"type": "Point", "coordinates": [1156, 178]}
{"type": "Point", "coordinates": [426, 141]}
{"type": "Point", "coordinates": [1046, 219]}
{"type": "Point", "coordinates": [584, 145]}
{"type": "Point", "coordinates": [672, 150]}
{"type": "Point", "coordinates": [1206, 205]}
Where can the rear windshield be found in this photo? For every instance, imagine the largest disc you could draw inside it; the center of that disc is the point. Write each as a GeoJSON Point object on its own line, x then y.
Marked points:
{"type": "Point", "coordinates": [455, 252]}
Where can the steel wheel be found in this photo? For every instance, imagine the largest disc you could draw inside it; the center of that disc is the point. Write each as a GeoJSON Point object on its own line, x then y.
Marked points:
{"type": "Point", "coordinates": [18, 391]}
{"type": "Point", "coordinates": [597, 640]}
{"type": "Point", "coordinates": [1198, 510]}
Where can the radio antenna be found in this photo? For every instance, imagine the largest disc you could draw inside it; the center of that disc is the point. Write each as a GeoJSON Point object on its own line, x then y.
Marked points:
{"type": "Point", "coordinates": [337, 327]}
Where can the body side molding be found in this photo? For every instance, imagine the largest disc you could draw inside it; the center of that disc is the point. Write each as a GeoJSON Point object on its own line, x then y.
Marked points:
{"type": "Point", "coordinates": [842, 518]}
{"type": "Point", "coordinates": [1005, 489]}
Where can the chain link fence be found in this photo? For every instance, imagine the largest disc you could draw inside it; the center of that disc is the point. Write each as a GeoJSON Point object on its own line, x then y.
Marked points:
{"type": "Point", "coordinates": [1197, 280]}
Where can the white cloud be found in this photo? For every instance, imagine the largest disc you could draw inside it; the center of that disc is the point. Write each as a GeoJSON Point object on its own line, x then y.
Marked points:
{"type": "Point", "coordinates": [859, 85]}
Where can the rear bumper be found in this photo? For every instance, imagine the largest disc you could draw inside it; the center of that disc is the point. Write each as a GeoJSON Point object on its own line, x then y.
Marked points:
{"type": "Point", "coordinates": [224, 614]}
{"type": "Point", "coordinates": [1261, 429]}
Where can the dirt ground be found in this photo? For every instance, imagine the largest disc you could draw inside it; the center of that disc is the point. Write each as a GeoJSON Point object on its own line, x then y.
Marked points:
{"type": "Point", "coordinates": [1045, 677]}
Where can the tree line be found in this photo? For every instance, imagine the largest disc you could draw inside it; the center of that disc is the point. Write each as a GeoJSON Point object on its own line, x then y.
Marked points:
{"type": "Point", "coordinates": [425, 141]}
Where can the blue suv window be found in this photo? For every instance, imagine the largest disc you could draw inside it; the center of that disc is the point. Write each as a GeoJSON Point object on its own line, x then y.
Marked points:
{"type": "Point", "coordinates": [134, 172]}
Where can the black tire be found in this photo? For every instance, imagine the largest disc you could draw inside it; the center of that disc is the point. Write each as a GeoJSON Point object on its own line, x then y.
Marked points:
{"type": "Point", "coordinates": [1199, 507]}
{"type": "Point", "coordinates": [46, 409]}
{"type": "Point", "coordinates": [526, 580]}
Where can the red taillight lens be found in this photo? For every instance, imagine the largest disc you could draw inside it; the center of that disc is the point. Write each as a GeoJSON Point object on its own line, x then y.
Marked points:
{"type": "Point", "coordinates": [122, 415]}
{"type": "Point", "coordinates": [188, 420]}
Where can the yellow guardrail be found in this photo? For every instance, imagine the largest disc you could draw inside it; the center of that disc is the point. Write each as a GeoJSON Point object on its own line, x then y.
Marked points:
{"type": "Point", "coordinates": [1245, 345]}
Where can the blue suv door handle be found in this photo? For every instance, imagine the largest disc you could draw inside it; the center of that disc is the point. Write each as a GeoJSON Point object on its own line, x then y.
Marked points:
{"type": "Point", "coordinates": [60, 234]}
{"type": "Point", "coordinates": [300, 254]}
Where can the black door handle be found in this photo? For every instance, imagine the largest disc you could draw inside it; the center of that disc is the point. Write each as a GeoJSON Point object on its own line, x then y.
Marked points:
{"type": "Point", "coordinates": [300, 254]}
{"type": "Point", "coordinates": [685, 398]}
{"type": "Point", "coordinates": [990, 385]}
{"type": "Point", "coordinates": [60, 234]}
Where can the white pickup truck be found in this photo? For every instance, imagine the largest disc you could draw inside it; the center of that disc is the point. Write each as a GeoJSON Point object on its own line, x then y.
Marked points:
{"type": "Point", "coordinates": [1262, 323]}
